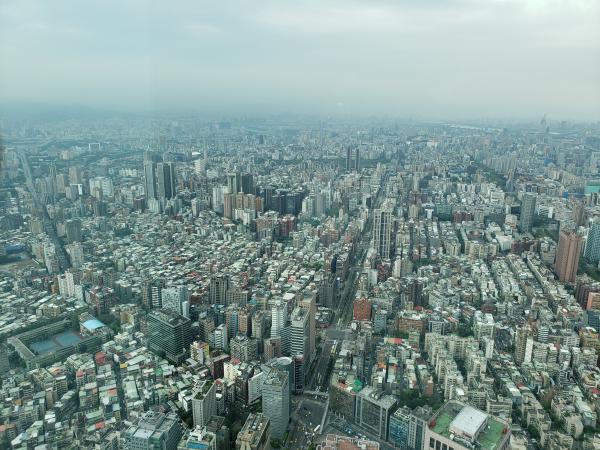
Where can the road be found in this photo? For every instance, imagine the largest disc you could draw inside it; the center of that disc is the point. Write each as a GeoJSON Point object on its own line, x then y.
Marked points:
{"type": "Point", "coordinates": [63, 259]}
{"type": "Point", "coordinates": [304, 417]}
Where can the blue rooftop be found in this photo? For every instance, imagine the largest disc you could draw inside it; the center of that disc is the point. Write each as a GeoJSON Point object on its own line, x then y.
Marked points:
{"type": "Point", "coordinates": [93, 324]}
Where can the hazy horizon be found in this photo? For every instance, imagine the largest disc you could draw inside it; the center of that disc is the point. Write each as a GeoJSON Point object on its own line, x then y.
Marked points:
{"type": "Point", "coordinates": [448, 59]}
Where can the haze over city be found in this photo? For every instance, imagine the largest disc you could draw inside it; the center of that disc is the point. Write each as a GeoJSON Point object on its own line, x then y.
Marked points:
{"type": "Point", "coordinates": [437, 59]}
{"type": "Point", "coordinates": [300, 225]}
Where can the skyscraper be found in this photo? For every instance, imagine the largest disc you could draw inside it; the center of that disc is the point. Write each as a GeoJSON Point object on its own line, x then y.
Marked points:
{"type": "Point", "coordinates": [349, 157]}
{"type": "Point", "coordinates": [169, 334]}
{"type": "Point", "coordinates": [308, 303]}
{"type": "Point", "coordinates": [382, 229]}
{"type": "Point", "coordinates": [150, 179]}
{"type": "Point", "coordinates": [165, 180]}
{"type": "Point", "coordinates": [278, 318]}
{"type": "Point", "coordinates": [592, 244]}
{"type": "Point", "coordinates": [299, 332]}
{"type": "Point", "coordinates": [276, 401]}
{"type": "Point", "coordinates": [234, 182]}
{"type": "Point", "coordinates": [570, 244]}
{"type": "Point", "coordinates": [527, 213]}
{"type": "Point", "coordinates": [219, 284]}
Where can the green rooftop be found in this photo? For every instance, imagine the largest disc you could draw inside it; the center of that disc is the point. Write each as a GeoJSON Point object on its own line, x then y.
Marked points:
{"type": "Point", "coordinates": [489, 438]}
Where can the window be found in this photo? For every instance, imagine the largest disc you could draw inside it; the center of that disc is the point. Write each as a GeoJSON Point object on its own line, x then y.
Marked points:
{"type": "Point", "coordinates": [438, 445]}
{"type": "Point", "coordinates": [431, 443]}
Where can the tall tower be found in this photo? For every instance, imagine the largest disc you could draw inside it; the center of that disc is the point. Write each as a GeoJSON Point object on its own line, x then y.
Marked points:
{"type": "Point", "coordinates": [165, 180]}
{"type": "Point", "coordinates": [382, 230]}
{"type": "Point", "coordinates": [570, 244]}
{"type": "Point", "coordinates": [204, 402]}
{"type": "Point", "coordinates": [150, 179]}
{"type": "Point", "coordinates": [278, 318]}
{"type": "Point", "coordinates": [527, 213]}
{"type": "Point", "coordinates": [592, 244]}
{"type": "Point", "coordinates": [276, 401]}
{"type": "Point", "coordinates": [219, 285]}
{"type": "Point", "coordinates": [348, 158]}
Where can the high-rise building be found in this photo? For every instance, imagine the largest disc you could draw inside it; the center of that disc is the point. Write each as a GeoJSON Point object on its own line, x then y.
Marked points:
{"type": "Point", "coordinates": [348, 158]}
{"type": "Point", "coordinates": [592, 243]}
{"type": "Point", "coordinates": [570, 244]}
{"type": "Point", "coordinates": [152, 293]}
{"type": "Point", "coordinates": [527, 213]}
{"type": "Point", "coordinates": [153, 431]}
{"type": "Point", "coordinates": [247, 183]}
{"type": "Point", "coordinates": [150, 180]}
{"type": "Point", "coordinates": [276, 401]}
{"type": "Point", "coordinates": [204, 402]}
{"type": "Point", "coordinates": [255, 434]}
{"type": "Point", "coordinates": [523, 345]}
{"type": "Point", "coordinates": [382, 229]}
{"type": "Point", "coordinates": [299, 332]}
{"type": "Point", "coordinates": [299, 345]}
{"type": "Point", "coordinates": [73, 229]}
{"type": "Point", "coordinates": [278, 318]}
{"type": "Point", "coordinates": [244, 348]}
{"type": "Point", "coordinates": [272, 348]}
{"type": "Point", "coordinates": [373, 410]}
{"type": "Point", "coordinates": [258, 324]}
{"type": "Point", "coordinates": [309, 304]}
{"type": "Point", "coordinates": [221, 337]}
{"type": "Point", "coordinates": [165, 180]}
{"type": "Point", "coordinates": [350, 155]}
{"type": "Point", "coordinates": [398, 428]}
{"type": "Point", "coordinates": [176, 299]}
{"type": "Point", "coordinates": [170, 334]}
{"type": "Point", "coordinates": [219, 285]}
{"type": "Point", "coordinates": [234, 182]}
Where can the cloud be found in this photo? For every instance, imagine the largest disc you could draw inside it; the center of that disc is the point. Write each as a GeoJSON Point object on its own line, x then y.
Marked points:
{"type": "Point", "coordinates": [451, 58]}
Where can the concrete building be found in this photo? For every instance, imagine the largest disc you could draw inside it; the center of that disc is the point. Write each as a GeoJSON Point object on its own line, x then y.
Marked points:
{"type": "Point", "coordinates": [592, 243]}
{"type": "Point", "coordinates": [278, 318]}
{"type": "Point", "coordinates": [373, 409]}
{"type": "Point", "coordinates": [382, 229]}
{"type": "Point", "coordinates": [523, 345]}
{"type": "Point", "coordinates": [276, 401]}
{"type": "Point", "coordinates": [198, 438]}
{"type": "Point", "coordinates": [255, 434]}
{"type": "Point", "coordinates": [461, 427]}
{"type": "Point", "coordinates": [170, 334]}
{"type": "Point", "coordinates": [244, 348]}
{"type": "Point", "coordinates": [570, 244]}
{"type": "Point", "coordinates": [153, 431]}
{"type": "Point", "coordinates": [204, 404]}
{"type": "Point", "coordinates": [527, 213]}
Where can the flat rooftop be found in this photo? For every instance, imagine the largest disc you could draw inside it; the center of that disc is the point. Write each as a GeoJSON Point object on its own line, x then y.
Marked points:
{"type": "Point", "coordinates": [491, 435]}
{"type": "Point", "coordinates": [55, 342]}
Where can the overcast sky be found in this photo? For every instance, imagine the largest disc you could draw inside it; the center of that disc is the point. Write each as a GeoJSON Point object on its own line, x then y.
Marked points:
{"type": "Point", "coordinates": [428, 58]}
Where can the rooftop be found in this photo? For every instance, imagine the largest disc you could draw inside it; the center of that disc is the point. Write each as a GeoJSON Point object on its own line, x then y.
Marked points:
{"type": "Point", "coordinates": [453, 416]}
